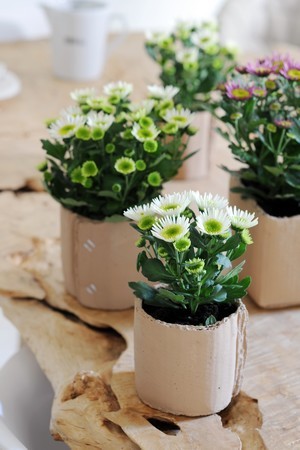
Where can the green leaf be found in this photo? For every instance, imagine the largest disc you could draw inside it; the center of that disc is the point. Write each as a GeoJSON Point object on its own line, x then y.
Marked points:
{"type": "Point", "coordinates": [276, 171]}
{"type": "Point", "coordinates": [224, 261]}
{"type": "Point", "coordinates": [218, 293]}
{"type": "Point", "coordinates": [292, 180]}
{"type": "Point", "coordinates": [108, 194]}
{"type": "Point", "coordinates": [165, 293]}
{"type": "Point", "coordinates": [142, 257]}
{"type": "Point", "coordinates": [116, 218]}
{"type": "Point", "coordinates": [211, 320]}
{"type": "Point", "coordinates": [55, 150]}
{"type": "Point", "coordinates": [232, 273]}
{"type": "Point", "coordinates": [142, 290]}
{"type": "Point", "coordinates": [237, 252]}
{"type": "Point", "coordinates": [154, 270]}
{"type": "Point", "coordinates": [72, 202]}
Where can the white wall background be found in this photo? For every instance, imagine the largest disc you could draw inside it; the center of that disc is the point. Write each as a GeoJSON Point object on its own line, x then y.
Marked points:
{"type": "Point", "coordinates": [24, 19]}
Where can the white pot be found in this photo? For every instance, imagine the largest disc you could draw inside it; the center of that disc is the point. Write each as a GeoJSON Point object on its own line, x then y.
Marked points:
{"type": "Point", "coordinates": [197, 166]}
{"type": "Point", "coordinates": [272, 260]}
{"type": "Point", "coordinates": [99, 259]}
{"type": "Point", "coordinates": [189, 370]}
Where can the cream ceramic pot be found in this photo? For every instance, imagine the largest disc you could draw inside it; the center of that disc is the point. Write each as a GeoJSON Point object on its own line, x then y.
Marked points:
{"type": "Point", "coordinates": [189, 370]}
{"type": "Point", "coordinates": [99, 259]}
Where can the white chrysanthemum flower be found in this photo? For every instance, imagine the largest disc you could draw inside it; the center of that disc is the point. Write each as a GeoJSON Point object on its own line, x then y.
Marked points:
{"type": "Point", "coordinates": [135, 116]}
{"type": "Point", "coordinates": [171, 204]}
{"type": "Point", "coordinates": [65, 127]}
{"type": "Point", "coordinates": [183, 28]}
{"type": "Point", "coordinates": [120, 88]}
{"type": "Point", "coordinates": [74, 111]}
{"type": "Point", "coordinates": [145, 105]}
{"type": "Point", "coordinates": [207, 201]}
{"type": "Point", "coordinates": [100, 120]}
{"type": "Point", "coordinates": [144, 134]}
{"type": "Point", "coordinates": [170, 229]}
{"type": "Point", "coordinates": [213, 221]}
{"type": "Point", "coordinates": [204, 38]}
{"type": "Point", "coordinates": [241, 219]}
{"type": "Point", "coordinates": [181, 117]}
{"type": "Point", "coordinates": [82, 95]}
{"type": "Point", "coordinates": [187, 55]}
{"type": "Point", "coordinates": [162, 92]}
{"type": "Point", "coordinates": [156, 37]}
{"type": "Point", "coordinates": [136, 213]}
{"type": "Point", "coordinates": [95, 102]}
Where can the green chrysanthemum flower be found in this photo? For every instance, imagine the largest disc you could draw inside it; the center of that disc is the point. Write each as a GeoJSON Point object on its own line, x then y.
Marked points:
{"type": "Point", "coordinates": [108, 109]}
{"type": "Point", "coordinates": [170, 128]}
{"type": "Point", "coordinates": [145, 122]}
{"type": "Point", "coordinates": [125, 165]}
{"type": "Point", "coordinates": [146, 223]}
{"type": "Point", "coordinates": [48, 176]}
{"type": "Point", "coordinates": [272, 128]}
{"type": "Point", "coordinates": [129, 152]}
{"type": "Point", "coordinates": [114, 99]}
{"type": "Point", "coordinates": [97, 134]}
{"type": "Point", "coordinates": [140, 242]}
{"type": "Point", "coordinates": [195, 265]}
{"type": "Point", "coordinates": [110, 148]}
{"type": "Point", "coordinates": [83, 133]}
{"type": "Point", "coordinates": [150, 146]}
{"type": "Point", "coordinates": [270, 84]}
{"type": "Point", "coordinates": [127, 135]}
{"type": "Point", "coordinates": [182, 244]}
{"type": "Point", "coordinates": [42, 166]}
{"type": "Point", "coordinates": [89, 169]}
{"type": "Point", "coordinates": [191, 131]}
{"type": "Point", "coordinates": [76, 175]}
{"type": "Point", "coordinates": [236, 116]}
{"type": "Point", "coordinates": [154, 179]}
{"type": "Point", "coordinates": [246, 237]}
{"type": "Point", "coordinates": [116, 187]}
{"type": "Point", "coordinates": [162, 252]}
{"type": "Point", "coordinates": [87, 183]}
{"type": "Point", "coordinates": [140, 165]}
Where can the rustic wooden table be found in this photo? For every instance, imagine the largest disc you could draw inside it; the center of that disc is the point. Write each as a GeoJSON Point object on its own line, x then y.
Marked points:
{"type": "Point", "coordinates": [88, 355]}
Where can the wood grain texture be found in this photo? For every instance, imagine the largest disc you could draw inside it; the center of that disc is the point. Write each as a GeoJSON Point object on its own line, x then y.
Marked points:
{"type": "Point", "coordinates": [88, 355]}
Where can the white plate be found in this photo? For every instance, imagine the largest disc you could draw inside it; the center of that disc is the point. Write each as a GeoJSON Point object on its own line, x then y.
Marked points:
{"type": "Point", "coordinates": [10, 85]}
{"type": "Point", "coordinates": [25, 404]}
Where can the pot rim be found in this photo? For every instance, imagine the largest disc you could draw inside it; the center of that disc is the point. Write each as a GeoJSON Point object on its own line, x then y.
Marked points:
{"type": "Point", "coordinates": [209, 328]}
{"type": "Point", "coordinates": [97, 221]}
{"type": "Point", "coordinates": [258, 209]}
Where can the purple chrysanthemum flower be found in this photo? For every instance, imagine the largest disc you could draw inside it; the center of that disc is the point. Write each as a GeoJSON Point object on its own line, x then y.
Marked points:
{"type": "Point", "coordinates": [259, 91]}
{"type": "Point", "coordinates": [238, 91]}
{"type": "Point", "coordinates": [291, 71]}
{"type": "Point", "coordinates": [278, 62]}
{"type": "Point", "coordinates": [241, 69]}
{"type": "Point", "coordinates": [283, 123]}
{"type": "Point", "coordinates": [261, 67]}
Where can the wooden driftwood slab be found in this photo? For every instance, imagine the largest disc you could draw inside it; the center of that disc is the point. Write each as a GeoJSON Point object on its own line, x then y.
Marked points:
{"type": "Point", "coordinates": [88, 356]}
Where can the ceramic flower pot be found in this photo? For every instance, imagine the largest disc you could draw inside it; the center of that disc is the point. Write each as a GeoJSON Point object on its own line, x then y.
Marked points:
{"type": "Point", "coordinates": [99, 258]}
{"type": "Point", "coordinates": [272, 260]}
{"type": "Point", "coordinates": [198, 165]}
{"type": "Point", "coordinates": [189, 370]}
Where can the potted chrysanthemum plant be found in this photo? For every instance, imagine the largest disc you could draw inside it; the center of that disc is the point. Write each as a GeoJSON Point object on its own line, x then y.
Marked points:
{"type": "Point", "coordinates": [193, 58]}
{"type": "Point", "coordinates": [105, 154]}
{"type": "Point", "coordinates": [189, 328]}
{"type": "Point", "coordinates": [260, 106]}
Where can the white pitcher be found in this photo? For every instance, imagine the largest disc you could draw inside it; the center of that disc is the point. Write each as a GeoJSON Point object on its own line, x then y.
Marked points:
{"type": "Point", "coordinates": [79, 37]}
